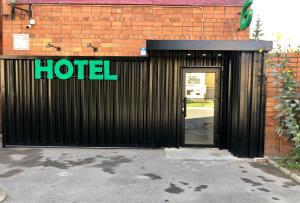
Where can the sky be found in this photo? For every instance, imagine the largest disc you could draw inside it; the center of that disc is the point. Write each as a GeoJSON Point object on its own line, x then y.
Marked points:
{"type": "Point", "coordinates": [279, 16]}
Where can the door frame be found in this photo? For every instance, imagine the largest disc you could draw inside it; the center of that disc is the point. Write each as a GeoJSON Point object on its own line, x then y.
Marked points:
{"type": "Point", "coordinates": [202, 69]}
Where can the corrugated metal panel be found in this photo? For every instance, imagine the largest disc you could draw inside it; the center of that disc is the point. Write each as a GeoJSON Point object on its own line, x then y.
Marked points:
{"type": "Point", "coordinates": [242, 108]}
{"type": "Point", "coordinates": [142, 108]}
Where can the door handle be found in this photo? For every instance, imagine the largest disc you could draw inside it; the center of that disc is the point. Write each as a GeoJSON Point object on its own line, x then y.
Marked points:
{"type": "Point", "coordinates": [184, 106]}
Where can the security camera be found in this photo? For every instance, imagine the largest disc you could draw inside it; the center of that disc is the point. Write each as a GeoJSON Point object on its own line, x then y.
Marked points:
{"type": "Point", "coordinates": [31, 23]}
{"type": "Point", "coordinates": [28, 26]}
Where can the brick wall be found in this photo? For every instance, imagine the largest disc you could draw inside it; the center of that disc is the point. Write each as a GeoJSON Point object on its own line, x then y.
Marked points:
{"type": "Point", "coordinates": [273, 144]}
{"type": "Point", "coordinates": [1, 13]}
{"type": "Point", "coordinates": [119, 30]}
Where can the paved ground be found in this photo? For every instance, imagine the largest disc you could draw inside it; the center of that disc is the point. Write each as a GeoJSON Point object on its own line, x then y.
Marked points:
{"type": "Point", "coordinates": [139, 175]}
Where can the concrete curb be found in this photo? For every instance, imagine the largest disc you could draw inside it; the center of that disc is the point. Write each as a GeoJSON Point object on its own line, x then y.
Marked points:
{"type": "Point", "coordinates": [285, 171]}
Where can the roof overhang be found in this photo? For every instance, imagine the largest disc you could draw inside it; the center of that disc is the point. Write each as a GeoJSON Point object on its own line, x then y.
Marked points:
{"type": "Point", "coordinates": [209, 45]}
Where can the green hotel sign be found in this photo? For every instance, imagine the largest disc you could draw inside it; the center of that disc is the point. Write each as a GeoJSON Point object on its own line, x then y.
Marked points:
{"type": "Point", "coordinates": [98, 69]}
{"type": "Point", "coordinates": [246, 15]}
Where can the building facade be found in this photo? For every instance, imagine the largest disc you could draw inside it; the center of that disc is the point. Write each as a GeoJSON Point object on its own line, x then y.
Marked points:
{"type": "Point", "coordinates": [119, 31]}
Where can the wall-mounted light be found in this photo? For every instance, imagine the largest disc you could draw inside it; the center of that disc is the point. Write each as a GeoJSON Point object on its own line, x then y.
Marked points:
{"type": "Point", "coordinates": [89, 45]}
{"type": "Point", "coordinates": [14, 7]}
{"type": "Point", "coordinates": [49, 45]}
{"type": "Point", "coordinates": [204, 55]}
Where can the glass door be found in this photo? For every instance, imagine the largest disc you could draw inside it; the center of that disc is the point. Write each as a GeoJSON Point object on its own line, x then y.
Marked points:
{"type": "Point", "coordinates": [201, 104]}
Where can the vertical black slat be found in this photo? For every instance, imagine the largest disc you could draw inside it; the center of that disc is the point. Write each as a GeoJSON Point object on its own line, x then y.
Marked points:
{"type": "Point", "coordinates": [102, 114]}
{"type": "Point", "coordinates": [132, 124]}
{"type": "Point", "coordinates": [59, 136]}
{"type": "Point", "coordinates": [233, 107]}
{"type": "Point", "coordinates": [77, 123]}
{"type": "Point", "coordinates": [157, 107]}
{"type": "Point", "coordinates": [159, 137]}
{"type": "Point", "coordinates": [96, 97]}
{"type": "Point", "coordinates": [250, 114]}
{"type": "Point", "coordinates": [158, 97]}
{"type": "Point", "coordinates": [30, 101]}
{"type": "Point", "coordinates": [109, 113]}
{"type": "Point", "coordinates": [112, 112]}
{"type": "Point", "coordinates": [145, 97]}
{"type": "Point", "coordinates": [168, 88]}
{"type": "Point", "coordinates": [171, 105]}
{"type": "Point", "coordinates": [262, 105]}
{"type": "Point", "coordinates": [124, 108]}
{"type": "Point", "coordinates": [92, 113]}
{"type": "Point", "coordinates": [68, 105]}
{"type": "Point", "coordinates": [128, 122]}
{"type": "Point", "coordinates": [249, 104]}
{"type": "Point", "coordinates": [235, 104]}
{"type": "Point", "coordinates": [254, 128]}
{"type": "Point", "coordinates": [243, 146]}
{"type": "Point", "coordinates": [55, 111]}
{"type": "Point", "coordinates": [227, 86]}
{"type": "Point", "coordinates": [22, 89]}
{"type": "Point", "coordinates": [56, 114]}
{"type": "Point", "coordinates": [164, 125]}
{"type": "Point", "coordinates": [64, 107]}
{"type": "Point", "coordinates": [178, 139]}
{"type": "Point", "coordinates": [37, 111]}
{"type": "Point", "coordinates": [52, 111]}
{"type": "Point", "coordinates": [130, 117]}
{"type": "Point", "coordinates": [17, 97]}
{"type": "Point", "coordinates": [134, 103]}
{"type": "Point", "coordinates": [25, 104]}
{"type": "Point", "coordinates": [44, 110]}
{"type": "Point", "coordinates": [12, 100]}
{"type": "Point", "coordinates": [242, 106]}
{"type": "Point", "coordinates": [3, 98]}
{"type": "Point", "coordinates": [106, 113]}
{"type": "Point", "coordinates": [150, 122]}
{"type": "Point", "coordinates": [50, 130]}
{"type": "Point", "coordinates": [118, 107]}
{"type": "Point", "coordinates": [223, 107]}
{"type": "Point", "coordinates": [60, 112]}
{"type": "Point", "coordinates": [226, 116]}
{"type": "Point", "coordinates": [40, 114]}
{"type": "Point", "coordinates": [127, 109]}
{"type": "Point", "coordinates": [137, 101]}
{"type": "Point", "coordinates": [72, 109]}
{"type": "Point", "coordinates": [180, 95]}
{"type": "Point", "coordinates": [167, 103]}
{"type": "Point", "coordinates": [7, 67]}
{"type": "Point", "coordinates": [230, 102]}
{"type": "Point", "coordinates": [85, 111]}
{"type": "Point", "coordinates": [141, 110]}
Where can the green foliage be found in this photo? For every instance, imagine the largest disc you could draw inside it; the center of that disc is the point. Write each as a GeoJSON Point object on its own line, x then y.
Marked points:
{"type": "Point", "coordinates": [288, 100]}
{"type": "Point", "coordinates": [296, 155]}
{"type": "Point", "coordinates": [258, 31]}
{"type": "Point", "coordinates": [292, 162]}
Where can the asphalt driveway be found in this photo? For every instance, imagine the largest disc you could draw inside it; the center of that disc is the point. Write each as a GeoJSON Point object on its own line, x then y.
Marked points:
{"type": "Point", "coordinates": [139, 175]}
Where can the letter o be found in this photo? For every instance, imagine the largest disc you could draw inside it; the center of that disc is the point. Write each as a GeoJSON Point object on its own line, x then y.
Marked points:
{"type": "Point", "coordinates": [70, 69]}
